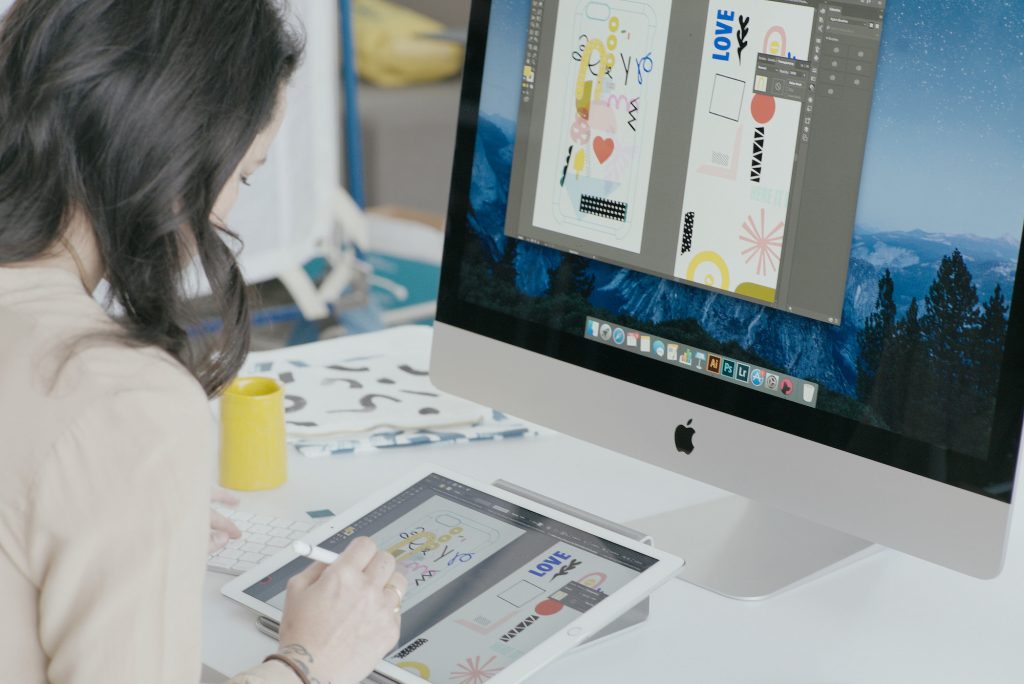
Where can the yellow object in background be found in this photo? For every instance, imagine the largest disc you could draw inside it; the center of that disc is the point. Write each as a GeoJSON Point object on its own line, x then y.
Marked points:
{"type": "Point", "coordinates": [394, 46]}
{"type": "Point", "coordinates": [253, 451]}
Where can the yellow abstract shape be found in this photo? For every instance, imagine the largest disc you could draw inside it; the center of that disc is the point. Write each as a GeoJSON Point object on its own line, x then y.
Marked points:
{"type": "Point", "coordinates": [778, 45]}
{"type": "Point", "coordinates": [755, 291]}
{"type": "Point", "coordinates": [582, 79]}
{"type": "Point", "coordinates": [614, 24]}
{"type": "Point", "coordinates": [398, 549]}
{"type": "Point", "coordinates": [416, 668]}
{"type": "Point", "coordinates": [709, 280]}
{"type": "Point", "coordinates": [580, 162]}
{"type": "Point", "coordinates": [584, 99]}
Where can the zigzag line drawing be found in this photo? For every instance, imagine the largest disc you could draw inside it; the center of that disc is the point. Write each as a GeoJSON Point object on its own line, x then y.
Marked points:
{"type": "Point", "coordinates": [427, 575]}
{"type": "Point", "coordinates": [633, 109]}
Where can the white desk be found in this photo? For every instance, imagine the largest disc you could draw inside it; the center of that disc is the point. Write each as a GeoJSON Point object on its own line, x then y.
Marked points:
{"type": "Point", "coordinates": [889, 618]}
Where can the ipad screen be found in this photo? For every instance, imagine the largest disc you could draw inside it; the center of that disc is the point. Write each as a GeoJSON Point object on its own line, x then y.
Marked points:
{"type": "Point", "coordinates": [488, 581]}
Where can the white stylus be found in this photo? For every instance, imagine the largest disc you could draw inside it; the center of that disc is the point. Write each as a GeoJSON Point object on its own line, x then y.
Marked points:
{"type": "Point", "coordinates": [314, 552]}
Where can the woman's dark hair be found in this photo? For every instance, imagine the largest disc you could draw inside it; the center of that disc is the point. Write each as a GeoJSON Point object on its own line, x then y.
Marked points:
{"type": "Point", "coordinates": [134, 114]}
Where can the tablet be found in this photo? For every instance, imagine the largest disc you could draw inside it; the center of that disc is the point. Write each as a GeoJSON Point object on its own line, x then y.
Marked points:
{"type": "Point", "coordinates": [498, 584]}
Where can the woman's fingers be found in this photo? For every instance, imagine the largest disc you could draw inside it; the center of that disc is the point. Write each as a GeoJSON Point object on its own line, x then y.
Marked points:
{"type": "Point", "coordinates": [219, 496]}
{"type": "Point", "coordinates": [399, 581]}
{"type": "Point", "coordinates": [218, 540]}
{"type": "Point", "coordinates": [396, 585]}
{"type": "Point", "coordinates": [219, 523]}
{"type": "Point", "coordinates": [307, 577]}
{"type": "Point", "coordinates": [379, 569]}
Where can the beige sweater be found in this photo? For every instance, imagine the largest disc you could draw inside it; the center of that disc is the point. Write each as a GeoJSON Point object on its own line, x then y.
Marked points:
{"type": "Point", "coordinates": [104, 498]}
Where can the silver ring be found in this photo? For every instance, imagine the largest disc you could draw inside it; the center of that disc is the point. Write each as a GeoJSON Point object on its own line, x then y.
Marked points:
{"type": "Point", "coordinates": [398, 595]}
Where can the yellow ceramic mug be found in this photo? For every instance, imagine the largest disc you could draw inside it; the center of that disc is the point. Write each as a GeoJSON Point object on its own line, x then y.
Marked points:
{"type": "Point", "coordinates": [253, 452]}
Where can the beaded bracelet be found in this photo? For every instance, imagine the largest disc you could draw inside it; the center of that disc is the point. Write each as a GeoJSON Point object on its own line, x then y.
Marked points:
{"type": "Point", "coordinates": [290, 663]}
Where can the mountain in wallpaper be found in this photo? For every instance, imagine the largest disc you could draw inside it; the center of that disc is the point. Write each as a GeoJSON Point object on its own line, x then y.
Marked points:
{"type": "Point", "coordinates": [805, 348]}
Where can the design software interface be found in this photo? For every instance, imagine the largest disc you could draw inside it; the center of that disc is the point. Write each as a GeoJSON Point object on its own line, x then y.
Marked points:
{"type": "Point", "coordinates": [715, 143]}
{"type": "Point", "coordinates": [488, 581]}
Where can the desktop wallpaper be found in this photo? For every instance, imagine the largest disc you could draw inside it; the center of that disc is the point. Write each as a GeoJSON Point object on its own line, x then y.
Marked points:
{"type": "Point", "coordinates": [934, 254]}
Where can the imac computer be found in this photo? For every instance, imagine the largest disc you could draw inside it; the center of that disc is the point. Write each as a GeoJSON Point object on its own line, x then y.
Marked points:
{"type": "Point", "coordinates": [772, 245]}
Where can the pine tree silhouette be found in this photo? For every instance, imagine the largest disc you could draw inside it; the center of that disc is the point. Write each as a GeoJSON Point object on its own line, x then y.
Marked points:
{"type": "Point", "coordinates": [570, 277]}
{"type": "Point", "coordinates": [949, 325]}
{"type": "Point", "coordinates": [991, 338]}
{"type": "Point", "coordinates": [583, 281]}
{"type": "Point", "coordinates": [932, 375]}
{"type": "Point", "coordinates": [903, 363]}
{"type": "Point", "coordinates": [872, 340]}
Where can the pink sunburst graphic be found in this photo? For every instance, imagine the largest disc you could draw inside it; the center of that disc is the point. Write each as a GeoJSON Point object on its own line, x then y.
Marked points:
{"type": "Point", "coordinates": [766, 247]}
{"type": "Point", "coordinates": [472, 672]}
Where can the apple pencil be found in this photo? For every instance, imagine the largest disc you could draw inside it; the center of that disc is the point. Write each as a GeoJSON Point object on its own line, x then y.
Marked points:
{"type": "Point", "coordinates": [314, 552]}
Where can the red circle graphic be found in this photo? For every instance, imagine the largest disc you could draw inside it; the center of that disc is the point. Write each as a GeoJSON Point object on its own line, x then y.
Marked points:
{"type": "Point", "coordinates": [762, 108]}
{"type": "Point", "coordinates": [548, 607]}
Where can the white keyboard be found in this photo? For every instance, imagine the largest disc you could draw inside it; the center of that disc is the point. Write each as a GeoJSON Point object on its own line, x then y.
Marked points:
{"type": "Point", "coordinates": [262, 536]}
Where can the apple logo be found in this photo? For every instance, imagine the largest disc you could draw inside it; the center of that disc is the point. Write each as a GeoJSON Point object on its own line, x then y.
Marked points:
{"type": "Point", "coordinates": [684, 438]}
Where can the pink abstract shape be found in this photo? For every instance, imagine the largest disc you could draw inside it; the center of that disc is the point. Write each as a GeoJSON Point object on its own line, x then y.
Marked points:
{"type": "Point", "coordinates": [617, 102]}
{"type": "Point", "coordinates": [729, 173]}
{"type": "Point", "coordinates": [484, 631]}
{"type": "Point", "coordinates": [781, 33]}
{"type": "Point", "coordinates": [472, 672]}
{"type": "Point", "coordinates": [602, 118]}
{"type": "Point", "coordinates": [618, 167]}
{"type": "Point", "coordinates": [766, 246]}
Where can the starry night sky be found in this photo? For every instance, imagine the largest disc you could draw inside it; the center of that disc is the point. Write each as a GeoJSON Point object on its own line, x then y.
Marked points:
{"type": "Point", "coordinates": [946, 147]}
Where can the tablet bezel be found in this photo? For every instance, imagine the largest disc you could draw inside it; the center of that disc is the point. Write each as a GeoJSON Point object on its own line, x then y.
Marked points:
{"type": "Point", "coordinates": [576, 632]}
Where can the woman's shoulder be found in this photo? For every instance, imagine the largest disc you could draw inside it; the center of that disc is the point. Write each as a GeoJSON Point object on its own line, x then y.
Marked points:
{"type": "Point", "coordinates": [96, 414]}
{"type": "Point", "coordinates": [129, 399]}
{"type": "Point", "coordinates": [60, 353]}
{"type": "Point", "coordinates": [55, 381]}
{"type": "Point", "coordinates": [111, 366]}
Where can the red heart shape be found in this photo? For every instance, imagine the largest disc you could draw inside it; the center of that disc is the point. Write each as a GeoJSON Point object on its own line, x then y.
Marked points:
{"type": "Point", "coordinates": [603, 148]}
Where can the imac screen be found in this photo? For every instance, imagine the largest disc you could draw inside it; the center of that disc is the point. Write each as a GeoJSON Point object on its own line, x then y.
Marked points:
{"type": "Point", "coordinates": [804, 213]}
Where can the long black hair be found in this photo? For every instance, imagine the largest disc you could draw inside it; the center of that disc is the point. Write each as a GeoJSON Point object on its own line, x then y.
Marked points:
{"type": "Point", "coordinates": [134, 114]}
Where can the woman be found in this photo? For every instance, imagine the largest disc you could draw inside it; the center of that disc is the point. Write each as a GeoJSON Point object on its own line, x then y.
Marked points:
{"type": "Point", "coordinates": [126, 128]}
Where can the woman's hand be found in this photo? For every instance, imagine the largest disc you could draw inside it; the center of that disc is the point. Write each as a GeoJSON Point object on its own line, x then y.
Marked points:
{"type": "Point", "coordinates": [341, 619]}
{"type": "Point", "coordinates": [221, 529]}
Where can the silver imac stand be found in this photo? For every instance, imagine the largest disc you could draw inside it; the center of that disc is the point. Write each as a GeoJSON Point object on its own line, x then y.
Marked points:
{"type": "Point", "coordinates": [732, 546]}
{"type": "Point", "coordinates": [745, 550]}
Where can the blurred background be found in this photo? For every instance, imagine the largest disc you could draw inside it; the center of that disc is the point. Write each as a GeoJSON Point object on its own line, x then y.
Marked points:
{"type": "Point", "coordinates": [343, 229]}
